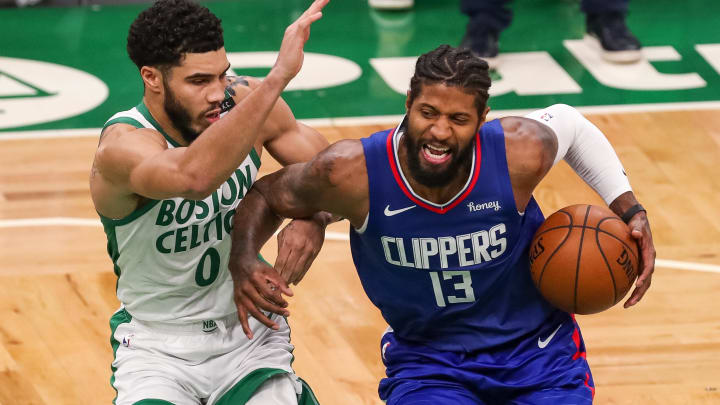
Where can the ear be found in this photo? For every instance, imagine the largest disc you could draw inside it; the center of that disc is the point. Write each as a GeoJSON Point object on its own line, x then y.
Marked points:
{"type": "Point", "coordinates": [153, 79]}
{"type": "Point", "coordinates": [407, 101]}
{"type": "Point", "coordinates": [484, 115]}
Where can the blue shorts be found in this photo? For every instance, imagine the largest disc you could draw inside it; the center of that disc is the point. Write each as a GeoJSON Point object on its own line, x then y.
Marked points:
{"type": "Point", "coordinates": [544, 367]}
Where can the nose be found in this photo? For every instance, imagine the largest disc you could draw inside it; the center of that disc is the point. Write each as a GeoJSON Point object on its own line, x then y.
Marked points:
{"type": "Point", "coordinates": [440, 129]}
{"type": "Point", "coordinates": [216, 92]}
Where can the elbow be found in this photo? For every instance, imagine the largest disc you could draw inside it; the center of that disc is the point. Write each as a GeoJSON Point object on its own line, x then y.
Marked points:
{"type": "Point", "coordinates": [199, 187]}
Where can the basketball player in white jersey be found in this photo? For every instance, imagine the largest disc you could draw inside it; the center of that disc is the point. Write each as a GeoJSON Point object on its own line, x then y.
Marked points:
{"type": "Point", "coordinates": [166, 179]}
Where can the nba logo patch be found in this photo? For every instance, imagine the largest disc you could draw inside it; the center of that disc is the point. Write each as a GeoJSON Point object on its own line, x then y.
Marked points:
{"type": "Point", "coordinates": [546, 117]}
{"type": "Point", "coordinates": [209, 326]}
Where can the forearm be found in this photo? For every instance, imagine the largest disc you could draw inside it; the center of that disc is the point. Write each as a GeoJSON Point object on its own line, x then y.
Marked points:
{"type": "Point", "coordinates": [626, 206]}
{"type": "Point", "coordinates": [254, 223]}
{"type": "Point", "coordinates": [220, 149]}
{"type": "Point", "coordinates": [284, 194]}
{"type": "Point", "coordinates": [586, 150]}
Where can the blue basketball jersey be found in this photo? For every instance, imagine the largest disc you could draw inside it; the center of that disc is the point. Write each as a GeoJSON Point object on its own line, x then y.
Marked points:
{"type": "Point", "coordinates": [453, 276]}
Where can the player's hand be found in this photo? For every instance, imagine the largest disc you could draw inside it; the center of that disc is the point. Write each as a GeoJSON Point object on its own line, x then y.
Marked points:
{"type": "Point", "coordinates": [298, 245]}
{"type": "Point", "coordinates": [640, 230]}
{"type": "Point", "coordinates": [290, 58]}
{"type": "Point", "coordinates": [258, 287]}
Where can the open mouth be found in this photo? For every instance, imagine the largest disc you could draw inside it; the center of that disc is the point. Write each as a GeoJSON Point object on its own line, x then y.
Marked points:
{"type": "Point", "coordinates": [213, 116]}
{"type": "Point", "coordinates": [436, 154]}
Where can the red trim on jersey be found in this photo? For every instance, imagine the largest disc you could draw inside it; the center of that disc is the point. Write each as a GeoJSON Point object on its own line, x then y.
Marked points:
{"type": "Point", "coordinates": [592, 389]}
{"type": "Point", "coordinates": [404, 188]}
{"type": "Point", "coordinates": [576, 339]}
{"type": "Point", "coordinates": [578, 354]}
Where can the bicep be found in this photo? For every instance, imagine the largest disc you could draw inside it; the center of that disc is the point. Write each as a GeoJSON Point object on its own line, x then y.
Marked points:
{"type": "Point", "coordinates": [139, 163]}
{"type": "Point", "coordinates": [530, 148]}
{"type": "Point", "coordinates": [287, 140]}
{"type": "Point", "coordinates": [334, 181]}
{"type": "Point", "coordinates": [297, 143]}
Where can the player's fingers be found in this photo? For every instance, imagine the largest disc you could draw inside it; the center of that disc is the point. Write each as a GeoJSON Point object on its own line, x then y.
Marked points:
{"type": "Point", "coordinates": [306, 263]}
{"type": "Point", "coordinates": [637, 295]}
{"type": "Point", "coordinates": [282, 260]}
{"type": "Point", "coordinates": [259, 315]}
{"type": "Point", "coordinates": [243, 317]}
{"type": "Point", "coordinates": [263, 319]}
{"type": "Point", "coordinates": [295, 265]}
{"type": "Point", "coordinates": [315, 7]}
{"type": "Point", "coordinates": [271, 294]}
{"type": "Point", "coordinates": [647, 261]}
{"type": "Point", "coordinates": [272, 301]}
{"type": "Point", "coordinates": [307, 20]}
{"type": "Point", "coordinates": [284, 288]}
{"type": "Point", "coordinates": [267, 300]}
{"type": "Point", "coordinates": [274, 283]}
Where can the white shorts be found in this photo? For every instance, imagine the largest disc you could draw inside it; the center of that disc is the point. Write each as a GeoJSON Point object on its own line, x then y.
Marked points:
{"type": "Point", "coordinates": [204, 363]}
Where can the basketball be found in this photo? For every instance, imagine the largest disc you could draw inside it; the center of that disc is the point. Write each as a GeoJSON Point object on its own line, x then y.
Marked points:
{"type": "Point", "coordinates": [583, 259]}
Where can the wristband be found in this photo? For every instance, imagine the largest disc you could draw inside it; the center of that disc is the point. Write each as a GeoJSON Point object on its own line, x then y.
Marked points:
{"type": "Point", "coordinates": [627, 216]}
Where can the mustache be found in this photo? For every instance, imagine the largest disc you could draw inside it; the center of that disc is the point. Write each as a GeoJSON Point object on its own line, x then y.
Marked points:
{"type": "Point", "coordinates": [212, 108]}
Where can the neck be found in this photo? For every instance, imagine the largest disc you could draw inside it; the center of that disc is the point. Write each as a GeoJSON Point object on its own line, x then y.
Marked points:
{"type": "Point", "coordinates": [438, 195]}
{"type": "Point", "coordinates": [155, 106]}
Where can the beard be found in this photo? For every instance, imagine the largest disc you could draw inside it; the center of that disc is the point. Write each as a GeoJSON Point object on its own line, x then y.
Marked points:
{"type": "Point", "coordinates": [436, 177]}
{"type": "Point", "coordinates": [179, 115]}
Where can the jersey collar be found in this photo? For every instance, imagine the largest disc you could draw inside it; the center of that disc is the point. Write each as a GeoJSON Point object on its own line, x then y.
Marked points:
{"type": "Point", "coordinates": [393, 140]}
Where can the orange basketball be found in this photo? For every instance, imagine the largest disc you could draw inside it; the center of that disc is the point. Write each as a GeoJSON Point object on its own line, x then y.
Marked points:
{"type": "Point", "coordinates": [583, 259]}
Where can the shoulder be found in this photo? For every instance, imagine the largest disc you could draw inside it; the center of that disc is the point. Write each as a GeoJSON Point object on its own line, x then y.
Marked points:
{"type": "Point", "coordinates": [121, 143]}
{"type": "Point", "coordinates": [530, 146]}
{"type": "Point", "coordinates": [339, 158]}
{"type": "Point", "coordinates": [525, 130]}
{"type": "Point", "coordinates": [117, 135]}
{"type": "Point", "coordinates": [339, 161]}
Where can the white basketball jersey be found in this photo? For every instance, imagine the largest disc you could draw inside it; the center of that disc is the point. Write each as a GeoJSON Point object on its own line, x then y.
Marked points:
{"type": "Point", "coordinates": [171, 256]}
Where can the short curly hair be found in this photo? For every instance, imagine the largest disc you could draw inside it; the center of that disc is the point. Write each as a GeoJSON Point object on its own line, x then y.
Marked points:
{"type": "Point", "coordinates": [162, 34]}
{"type": "Point", "coordinates": [455, 67]}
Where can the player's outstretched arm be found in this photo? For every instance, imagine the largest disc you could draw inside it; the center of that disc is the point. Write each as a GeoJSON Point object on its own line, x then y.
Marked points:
{"type": "Point", "coordinates": [335, 181]}
{"type": "Point", "coordinates": [131, 164]}
{"type": "Point", "coordinates": [586, 149]}
{"type": "Point", "coordinates": [218, 153]}
{"type": "Point", "coordinates": [289, 141]}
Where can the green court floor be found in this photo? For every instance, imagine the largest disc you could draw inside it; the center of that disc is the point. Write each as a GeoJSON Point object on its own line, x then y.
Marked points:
{"type": "Point", "coordinates": [63, 68]}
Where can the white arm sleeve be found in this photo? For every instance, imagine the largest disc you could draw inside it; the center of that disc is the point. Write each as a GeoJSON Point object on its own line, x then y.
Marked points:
{"type": "Point", "coordinates": [585, 148]}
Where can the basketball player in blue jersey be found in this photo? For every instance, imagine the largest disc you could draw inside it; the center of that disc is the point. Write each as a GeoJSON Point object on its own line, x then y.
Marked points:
{"type": "Point", "coordinates": [442, 214]}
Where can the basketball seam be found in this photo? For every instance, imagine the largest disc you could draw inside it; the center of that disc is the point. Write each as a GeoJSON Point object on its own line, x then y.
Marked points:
{"type": "Point", "coordinates": [567, 235]}
{"type": "Point", "coordinates": [607, 264]}
{"type": "Point", "coordinates": [590, 227]}
{"type": "Point", "coordinates": [623, 242]}
{"type": "Point", "coordinates": [577, 267]}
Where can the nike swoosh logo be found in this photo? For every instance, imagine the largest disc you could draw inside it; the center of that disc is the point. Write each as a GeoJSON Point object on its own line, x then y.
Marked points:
{"type": "Point", "coordinates": [389, 212]}
{"type": "Point", "coordinates": [543, 343]}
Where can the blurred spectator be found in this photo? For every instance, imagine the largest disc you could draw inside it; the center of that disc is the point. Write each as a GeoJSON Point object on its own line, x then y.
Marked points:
{"type": "Point", "coordinates": [604, 25]}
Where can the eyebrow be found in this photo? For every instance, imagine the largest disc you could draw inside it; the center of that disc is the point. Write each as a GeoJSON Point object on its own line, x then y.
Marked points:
{"type": "Point", "coordinates": [200, 75]}
{"type": "Point", "coordinates": [428, 106]}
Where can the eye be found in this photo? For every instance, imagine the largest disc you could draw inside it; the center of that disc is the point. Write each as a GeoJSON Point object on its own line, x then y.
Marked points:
{"type": "Point", "coordinates": [460, 119]}
{"type": "Point", "coordinates": [198, 82]}
{"type": "Point", "coordinates": [426, 113]}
